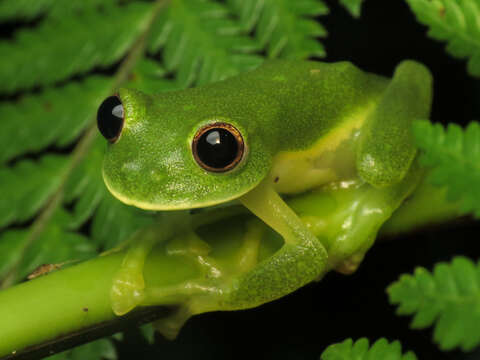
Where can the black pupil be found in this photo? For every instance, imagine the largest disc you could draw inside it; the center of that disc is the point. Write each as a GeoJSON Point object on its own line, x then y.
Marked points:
{"type": "Point", "coordinates": [110, 118]}
{"type": "Point", "coordinates": [217, 148]}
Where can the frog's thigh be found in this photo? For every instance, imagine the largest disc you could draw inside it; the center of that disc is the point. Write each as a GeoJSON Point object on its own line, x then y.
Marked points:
{"type": "Point", "coordinates": [361, 215]}
{"type": "Point", "coordinates": [386, 148]}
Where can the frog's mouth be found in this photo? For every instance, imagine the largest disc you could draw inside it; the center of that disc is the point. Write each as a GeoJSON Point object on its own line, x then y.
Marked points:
{"type": "Point", "coordinates": [179, 204]}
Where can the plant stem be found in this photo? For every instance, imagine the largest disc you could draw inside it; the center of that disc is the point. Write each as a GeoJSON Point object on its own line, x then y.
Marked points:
{"type": "Point", "coordinates": [49, 307]}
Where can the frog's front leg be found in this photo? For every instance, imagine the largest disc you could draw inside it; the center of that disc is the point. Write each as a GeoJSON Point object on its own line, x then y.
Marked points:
{"type": "Point", "coordinates": [128, 284]}
{"type": "Point", "coordinates": [301, 259]}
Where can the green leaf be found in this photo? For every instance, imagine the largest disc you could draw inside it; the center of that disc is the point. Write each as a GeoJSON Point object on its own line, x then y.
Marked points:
{"type": "Point", "coordinates": [27, 9]}
{"type": "Point", "coordinates": [359, 350]}
{"type": "Point", "coordinates": [287, 30]}
{"type": "Point", "coordinates": [448, 298]}
{"type": "Point", "coordinates": [53, 117]}
{"type": "Point", "coordinates": [353, 6]}
{"type": "Point", "coordinates": [27, 186]}
{"type": "Point", "coordinates": [454, 158]}
{"type": "Point", "coordinates": [247, 11]}
{"type": "Point", "coordinates": [96, 350]}
{"type": "Point", "coordinates": [201, 43]}
{"type": "Point", "coordinates": [55, 246]}
{"type": "Point", "coordinates": [113, 221]}
{"type": "Point", "coordinates": [44, 55]}
{"type": "Point", "coordinates": [149, 76]}
{"type": "Point", "coordinates": [455, 22]}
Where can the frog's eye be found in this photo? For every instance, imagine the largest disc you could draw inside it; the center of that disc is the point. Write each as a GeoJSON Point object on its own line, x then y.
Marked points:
{"type": "Point", "coordinates": [110, 118]}
{"type": "Point", "coordinates": [218, 147]}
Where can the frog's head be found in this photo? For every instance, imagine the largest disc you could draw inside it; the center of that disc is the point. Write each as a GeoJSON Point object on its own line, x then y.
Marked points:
{"type": "Point", "coordinates": [165, 153]}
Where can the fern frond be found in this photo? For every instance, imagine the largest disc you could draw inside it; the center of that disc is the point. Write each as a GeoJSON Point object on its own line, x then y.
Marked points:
{"type": "Point", "coordinates": [27, 9]}
{"type": "Point", "coordinates": [85, 188]}
{"type": "Point", "coordinates": [360, 350]}
{"type": "Point", "coordinates": [68, 246]}
{"type": "Point", "coordinates": [354, 7]}
{"type": "Point", "coordinates": [247, 11]}
{"type": "Point", "coordinates": [449, 298]}
{"type": "Point", "coordinates": [45, 55]}
{"type": "Point", "coordinates": [54, 117]}
{"type": "Point", "coordinates": [113, 221]}
{"type": "Point", "coordinates": [27, 186]}
{"type": "Point", "coordinates": [287, 30]}
{"type": "Point", "coordinates": [201, 43]}
{"type": "Point", "coordinates": [455, 22]}
{"type": "Point", "coordinates": [149, 76]}
{"type": "Point", "coordinates": [454, 157]}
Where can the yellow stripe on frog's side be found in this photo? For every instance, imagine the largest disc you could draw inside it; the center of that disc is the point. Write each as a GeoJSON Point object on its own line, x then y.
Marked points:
{"type": "Point", "coordinates": [298, 171]}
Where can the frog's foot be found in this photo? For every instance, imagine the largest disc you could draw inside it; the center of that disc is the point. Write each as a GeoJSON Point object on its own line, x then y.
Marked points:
{"type": "Point", "coordinates": [127, 290]}
{"type": "Point", "coordinates": [128, 284]}
{"type": "Point", "coordinates": [192, 297]}
{"type": "Point", "coordinates": [350, 265]}
{"type": "Point", "coordinates": [170, 326]}
{"type": "Point", "coordinates": [211, 289]}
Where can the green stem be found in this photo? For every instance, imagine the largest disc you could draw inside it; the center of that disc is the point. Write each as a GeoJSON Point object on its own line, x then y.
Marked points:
{"type": "Point", "coordinates": [72, 299]}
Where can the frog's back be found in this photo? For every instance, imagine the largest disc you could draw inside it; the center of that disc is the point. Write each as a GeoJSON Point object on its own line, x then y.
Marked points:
{"type": "Point", "coordinates": [319, 107]}
{"type": "Point", "coordinates": [311, 98]}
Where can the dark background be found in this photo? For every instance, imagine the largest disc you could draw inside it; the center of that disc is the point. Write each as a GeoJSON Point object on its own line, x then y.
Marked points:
{"type": "Point", "coordinates": [303, 324]}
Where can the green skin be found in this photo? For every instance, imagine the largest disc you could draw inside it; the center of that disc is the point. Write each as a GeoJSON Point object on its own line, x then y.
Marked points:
{"type": "Point", "coordinates": [306, 126]}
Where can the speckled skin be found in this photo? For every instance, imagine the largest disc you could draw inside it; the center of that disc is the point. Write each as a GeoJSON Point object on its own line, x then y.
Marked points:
{"type": "Point", "coordinates": [304, 124]}
{"type": "Point", "coordinates": [282, 106]}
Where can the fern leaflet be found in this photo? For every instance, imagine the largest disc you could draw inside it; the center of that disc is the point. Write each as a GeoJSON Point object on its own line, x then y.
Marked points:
{"type": "Point", "coordinates": [449, 298]}
{"type": "Point", "coordinates": [354, 7]}
{"type": "Point", "coordinates": [454, 156]}
{"type": "Point", "coordinates": [247, 11]}
{"type": "Point", "coordinates": [284, 27]}
{"type": "Point", "coordinates": [455, 22]}
{"type": "Point", "coordinates": [67, 245]}
{"type": "Point", "coordinates": [32, 61]}
{"type": "Point", "coordinates": [27, 9]}
{"type": "Point", "coordinates": [113, 221]}
{"type": "Point", "coordinates": [201, 43]}
{"type": "Point", "coordinates": [30, 184]}
{"type": "Point", "coordinates": [360, 350]}
{"type": "Point", "coordinates": [53, 117]}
